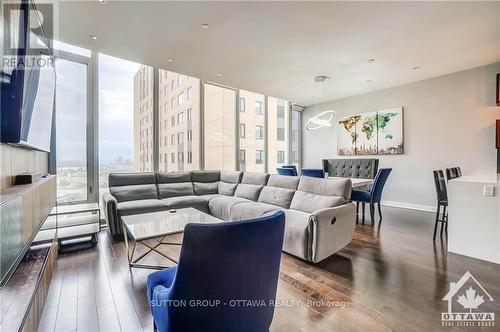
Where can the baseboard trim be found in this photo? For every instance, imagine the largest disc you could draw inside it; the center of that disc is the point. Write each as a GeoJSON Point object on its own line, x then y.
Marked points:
{"type": "Point", "coordinates": [426, 208]}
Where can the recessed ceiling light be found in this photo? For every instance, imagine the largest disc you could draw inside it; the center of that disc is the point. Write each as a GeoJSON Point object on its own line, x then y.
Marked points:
{"type": "Point", "coordinates": [101, 1]}
{"type": "Point", "coordinates": [170, 60]}
{"type": "Point", "coordinates": [320, 78]}
{"type": "Point", "coordinates": [416, 68]}
{"type": "Point", "coordinates": [368, 81]}
{"type": "Point", "coordinates": [94, 37]}
{"type": "Point", "coordinates": [219, 74]}
{"type": "Point", "coordinates": [204, 26]}
{"type": "Point", "coordinates": [371, 60]}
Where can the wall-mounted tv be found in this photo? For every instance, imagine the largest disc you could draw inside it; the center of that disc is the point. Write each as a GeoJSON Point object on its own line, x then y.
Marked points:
{"type": "Point", "coordinates": [27, 80]}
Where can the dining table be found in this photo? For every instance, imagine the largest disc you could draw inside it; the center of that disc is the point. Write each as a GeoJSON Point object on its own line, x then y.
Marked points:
{"type": "Point", "coordinates": [356, 182]}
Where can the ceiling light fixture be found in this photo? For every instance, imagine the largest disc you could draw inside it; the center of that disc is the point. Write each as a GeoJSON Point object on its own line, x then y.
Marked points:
{"type": "Point", "coordinates": [368, 81]}
{"type": "Point", "coordinates": [220, 75]}
{"type": "Point", "coordinates": [371, 60]}
{"type": "Point", "coordinates": [94, 37]}
{"type": "Point", "coordinates": [170, 60]}
{"type": "Point", "coordinates": [323, 119]}
{"type": "Point", "coordinates": [204, 26]}
{"type": "Point", "coordinates": [321, 78]}
{"type": "Point", "coordinates": [101, 1]}
{"type": "Point", "coordinates": [416, 68]}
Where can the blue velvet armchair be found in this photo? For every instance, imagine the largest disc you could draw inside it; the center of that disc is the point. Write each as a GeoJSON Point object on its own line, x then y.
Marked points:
{"type": "Point", "coordinates": [221, 268]}
{"type": "Point", "coordinates": [373, 195]}
{"type": "Point", "coordinates": [286, 171]}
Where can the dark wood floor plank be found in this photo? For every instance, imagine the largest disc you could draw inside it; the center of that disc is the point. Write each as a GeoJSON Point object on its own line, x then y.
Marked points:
{"type": "Point", "coordinates": [48, 319]}
{"type": "Point", "coordinates": [391, 277]}
{"type": "Point", "coordinates": [87, 314]}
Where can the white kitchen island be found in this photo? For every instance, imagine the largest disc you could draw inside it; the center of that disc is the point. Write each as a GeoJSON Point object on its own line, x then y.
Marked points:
{"type": "Point", "coordinates": [474, 218]}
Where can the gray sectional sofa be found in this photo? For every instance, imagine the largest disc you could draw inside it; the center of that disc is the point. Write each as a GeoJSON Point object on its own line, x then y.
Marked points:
{"type": "Point", "coordinates": [320, 219]}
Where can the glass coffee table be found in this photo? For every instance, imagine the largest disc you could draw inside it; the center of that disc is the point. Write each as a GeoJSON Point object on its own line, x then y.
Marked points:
{"type": "Point", "coordinates": [156, 227]}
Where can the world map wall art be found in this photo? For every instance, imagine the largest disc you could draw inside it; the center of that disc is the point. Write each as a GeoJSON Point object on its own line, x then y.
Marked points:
{"type": "Point", "coordinates": [371, 133]}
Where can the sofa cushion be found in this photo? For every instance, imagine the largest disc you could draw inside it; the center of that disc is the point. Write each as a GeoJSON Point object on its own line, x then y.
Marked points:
{"type": "Point", "coordinates": [248, 191]}
{"type": "Point", "coordinates": [314, 194]}
{"type": "Point", "coordinates": [283, 181]}
{"type": "Point", "coordinates": [255, 178]}
{"type": "Point", "coordinates": [133, 186]}
{"type": "Point", "coordinates": [230, 176]}
{"type": "Point", "coordinates": [277, 196]}
{"type": "Point", "coordinates": [220, 207]}
{"type": "Point", "coordinates": [228, 182]}
{"type": "Point", "coordinates": [179, 202]}
{"type": "Point", "coordinates": [140, 206]}
{"type": "Point", "coordinates": [174, 184]}
{"type": "Point", "coordinates": [248, 210]}
{"type": "Point", "coordinates": [205, 182]}
{"type": "Point", "coordinates": [296, 233]}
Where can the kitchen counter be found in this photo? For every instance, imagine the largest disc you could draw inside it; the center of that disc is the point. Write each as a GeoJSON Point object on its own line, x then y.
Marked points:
{"type": "Point", "coordinates": [474, 218]}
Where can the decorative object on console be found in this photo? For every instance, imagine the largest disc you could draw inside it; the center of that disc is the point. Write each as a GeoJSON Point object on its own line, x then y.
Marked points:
{"type": "Point", "coordinates": [27, 178]}
{"type": "Point", "coordinates": [371, 133]}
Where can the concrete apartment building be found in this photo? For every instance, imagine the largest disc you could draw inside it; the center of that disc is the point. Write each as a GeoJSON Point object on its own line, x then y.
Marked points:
{"type": "Point", "coordinates": [179, 126]}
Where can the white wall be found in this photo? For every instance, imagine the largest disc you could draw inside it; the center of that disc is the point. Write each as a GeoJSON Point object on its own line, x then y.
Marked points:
{"type": "Point", "coordinates": [448, 121]}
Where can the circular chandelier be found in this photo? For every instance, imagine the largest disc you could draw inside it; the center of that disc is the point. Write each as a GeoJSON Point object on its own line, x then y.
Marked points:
{"type": "Point", "coordinates": [321, 120]}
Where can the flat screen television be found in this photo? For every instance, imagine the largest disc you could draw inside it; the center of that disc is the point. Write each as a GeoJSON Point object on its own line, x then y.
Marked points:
{"type": "Point", "coordinates": [27, 88]}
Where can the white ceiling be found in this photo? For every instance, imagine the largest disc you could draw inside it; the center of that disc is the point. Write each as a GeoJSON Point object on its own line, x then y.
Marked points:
{"type": "Point", "coordinates": [277, 48]}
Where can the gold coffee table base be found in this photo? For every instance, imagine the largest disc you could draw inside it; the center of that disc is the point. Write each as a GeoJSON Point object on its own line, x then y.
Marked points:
{"type": "Point", "coordinates": [134, 262]}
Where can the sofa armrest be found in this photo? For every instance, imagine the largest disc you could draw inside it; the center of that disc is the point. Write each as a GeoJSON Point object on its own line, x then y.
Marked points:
{"type": "Point", "coordinates": [330, 229]}
{"type": "Point", "coordinates": [109, 205]}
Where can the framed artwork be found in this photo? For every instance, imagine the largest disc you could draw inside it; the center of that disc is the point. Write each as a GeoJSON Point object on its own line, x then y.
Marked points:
{"type": "Point", "coordinates": [373, 133]}
{"type": "Point", "coordinates": [346, 139]}
{"type": "Point", "coordinates": [390, 131]}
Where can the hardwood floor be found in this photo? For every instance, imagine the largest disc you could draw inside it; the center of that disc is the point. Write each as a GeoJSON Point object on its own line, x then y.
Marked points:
{"type": "Point", "coordinates": [391, 277]}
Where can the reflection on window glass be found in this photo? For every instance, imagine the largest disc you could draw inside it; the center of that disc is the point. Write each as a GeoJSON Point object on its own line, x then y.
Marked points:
{"type": "Point", "coordinates": [219, 123]}
{"type": "Point", "coordinates": [125, 117]}
{"type": "Point", "coordinates": [183, 92]}
{"type": "Point", "coordinates": [253, 138]}
{"type": "Point", "coordinates": [295, 136]}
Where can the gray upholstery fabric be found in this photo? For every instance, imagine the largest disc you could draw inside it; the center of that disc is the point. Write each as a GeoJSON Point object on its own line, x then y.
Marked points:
{"type": "Point", "coordinates": [226, 188]}
{"type": "Point", "coordinates": [134, 192]}
{"type": "Point", "coordinates": [249, 191]}
{"type": "Point", "coordinates": [205, 176]}
{"type": "Point", "coordinates": [277, 196]}
{"type": "Point", "coordinates": [174, 184]}
{"type": "Point", "coordinates": [132, 186]}
{"type": "Point", "coordinates": [231, 176]}
{"type": "Point", "coordinates": [220, 207]}
{"type": "Point", "coordinates": [205, 182]}
{"type": "Point", "coordinates": [140, 206]}
{"type": "Point", "coordinates": [201, 188]}
{"type": "Point", "coordinates": [351, 168]}
{"type": "Point", "coordinates": [197, 202]}
{"type": "Point", "coordinates": [129, 179]}
{"type": "Point", "coordinates": [109, 205]}
{"type": "Point", "coordinates": [314, 194]}
{"type": "Point", "coordinates": [249, 210]}
{"type": "Point", "coordinates": [283, 181]}
{"type": "Point", "coordinates": [255, 178]}
{"type": "Point", "coordinates": [296, 238]}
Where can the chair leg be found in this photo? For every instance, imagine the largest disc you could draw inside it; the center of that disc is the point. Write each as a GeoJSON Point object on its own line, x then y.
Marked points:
{"type": "Point", "coordinates": [372, 213]}
{"type": "Point", "coordinates": [436, 223]}
{"type": "Point", "coordinates": [379, 212]}
{"type": "Point", "coordinates": [363, 211]}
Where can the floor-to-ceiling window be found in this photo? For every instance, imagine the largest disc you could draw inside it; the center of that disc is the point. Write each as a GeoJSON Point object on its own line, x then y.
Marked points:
{"type": "Point", "coordinates": [252, 134]}
{"type": "Point", "coordinates": [219, 120]}
{"type": "Point", "coordinates": [121, 111]}
{"type": "Point", "coordinates": [179, 122]}
{"type": "Point", "coordinates": [278, 134]}
{"type": "Point", "coordinates": [295, 138]}
{"type": "Point", "coordinates": [71, 131]}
